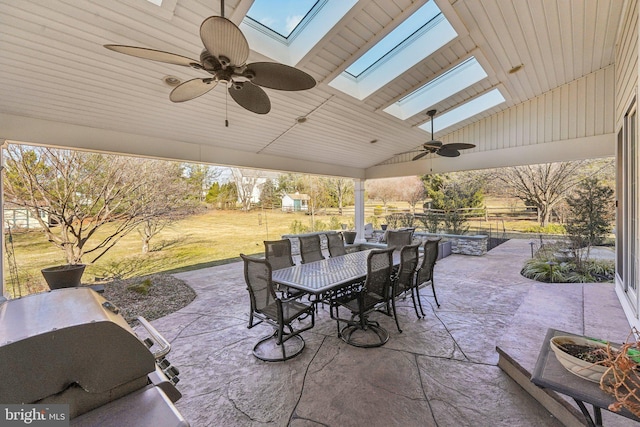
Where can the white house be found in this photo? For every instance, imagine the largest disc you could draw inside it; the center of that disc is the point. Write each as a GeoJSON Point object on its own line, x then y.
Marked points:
{"type": "Point", "coordinates": [295, 202]}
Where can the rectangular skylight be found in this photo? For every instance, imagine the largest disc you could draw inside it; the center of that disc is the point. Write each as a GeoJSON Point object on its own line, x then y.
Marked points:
{"type": "Point", "coordinates": [317, 18]}
{"type": "Point", "coordinates": [465, 111]}
{"type": "Point", "coordinates": [427, 31]}
{"type": "Point", "coordinates": [395, 38]}
{"type": "Point", "coordinates": [156, 2]}
{"type": "Point", "coordinates": [442, 87]}
{"type": "Point", "coordinates": [280, 16]}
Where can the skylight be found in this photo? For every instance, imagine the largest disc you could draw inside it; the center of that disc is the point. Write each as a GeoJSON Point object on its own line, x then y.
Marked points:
{"type": "Point", "coordinates": [156, 2]}
{"type": "Point", "coordinates": [465, 111]}
{"type": "Point", "coordinates": [442, 87]}
{"type": "Point", "coordinates": [395, 38]}
{"type": "Point", "coordinates": [304, 22]}
{"type": "Point", "coordinates": [419, 36]}
{"type": "Point", "coordinates": [280, 16]}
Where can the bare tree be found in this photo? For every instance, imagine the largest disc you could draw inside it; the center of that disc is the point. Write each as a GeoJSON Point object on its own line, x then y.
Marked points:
{"type": "Point", "coordinates": [384, 190]}
{"type": "Point", "coordinates": [542, 186]}
{"type": "Point", "coordinates": [246, 181]}
{"type": "Point", "coordinates": [80, 193]}
{"type": "Point", "coordinates": [341, 189]}
{"type": "Point", "coordinates": [412, 190]}
{"type": "Point", "coordinates": [162, 208]}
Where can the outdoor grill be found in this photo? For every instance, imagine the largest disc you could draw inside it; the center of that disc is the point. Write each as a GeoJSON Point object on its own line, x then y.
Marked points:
{"type": "Point", "coordinates": [71, 346]}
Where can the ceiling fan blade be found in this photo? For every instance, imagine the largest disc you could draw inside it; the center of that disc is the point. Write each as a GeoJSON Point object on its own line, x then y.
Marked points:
{"type": "Point", "coordinates": [192, 89]}
{"type": "Point", "coordinates": [421, 155]}
{"type": "Point", "coordinates": [458, 146]}
{"type": "Point", "coordinates": [407, 152]}
{"type": "Point", "coordinates": [279, 76]}
{"type": "Point", "coordinates": [250, 96]}
{"type": "Point", "coordinates": [446, 152]}
{"type": "Point", "coordinates": [222, 38]}
{"type": "Point", "coordinates": [154, 55]}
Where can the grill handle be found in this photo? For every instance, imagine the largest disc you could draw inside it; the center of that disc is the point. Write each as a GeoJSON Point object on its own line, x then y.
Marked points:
{"type": "Point", "coordinates": [164, 346]}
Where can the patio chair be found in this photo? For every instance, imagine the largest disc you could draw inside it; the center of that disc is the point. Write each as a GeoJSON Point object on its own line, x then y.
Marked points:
{"type": "Point", "coordinates": [398, 239]}
{"type": "Point", "coordinates": [425, 271]}
{"type": "Point", "coordinates": [310, 249]}
{"type": "Point", "coordinates": [368, 231]}
{"type": "Point", "coordinates": [373, 294]}
{"type": "Point", "coordinates": [335, 245]}
{"type": "Point", "coordinates": [278, 312]}
{"type": "Point", "coordinates": [404, 281]}
{"type": "Point", "coordinates": [278, 253]}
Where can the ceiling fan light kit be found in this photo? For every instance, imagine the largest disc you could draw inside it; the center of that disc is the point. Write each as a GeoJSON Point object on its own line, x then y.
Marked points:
{"type": "Point", "coordinates": [225, 53]}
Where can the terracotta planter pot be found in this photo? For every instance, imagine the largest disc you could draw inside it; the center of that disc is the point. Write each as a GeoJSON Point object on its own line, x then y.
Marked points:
{"type": "Point", "coordinates": [63, 276]}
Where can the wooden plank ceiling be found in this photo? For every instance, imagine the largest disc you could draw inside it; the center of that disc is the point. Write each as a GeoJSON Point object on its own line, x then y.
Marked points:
{"type": "Point", "coordinates": [53, 67]}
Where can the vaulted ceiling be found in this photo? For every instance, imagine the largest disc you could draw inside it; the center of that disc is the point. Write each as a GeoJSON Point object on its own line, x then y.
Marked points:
{"type": "Point", "coordinates": [60, 86]}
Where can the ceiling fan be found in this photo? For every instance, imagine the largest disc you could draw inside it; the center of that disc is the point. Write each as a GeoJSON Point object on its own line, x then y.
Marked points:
{"type": "Point", "coordinates": [224, 57]}
{"type": "Point", "coordinates": [445, 150]}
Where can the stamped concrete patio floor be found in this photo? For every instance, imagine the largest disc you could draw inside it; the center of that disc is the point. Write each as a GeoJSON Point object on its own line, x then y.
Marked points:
{"type": "Point", "coordinates": [440, 371]}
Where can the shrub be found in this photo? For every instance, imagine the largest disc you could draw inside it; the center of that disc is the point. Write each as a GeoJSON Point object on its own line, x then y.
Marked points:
{"type": "Point", "coordinates": [335, 223]}
{"type": "Point", "coordinates": [141, 288]}
{"type": "Point", "coordinates": [297, 227]}
{"type": "Point", "coordinates": [378, 210]}
{"type": "Point", "coordinates": [548, 229]}
{"type": "Point", "coordinates": [543, 271]}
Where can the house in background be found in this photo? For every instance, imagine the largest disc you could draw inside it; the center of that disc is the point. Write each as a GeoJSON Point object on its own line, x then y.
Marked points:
{"type": "Point", "coordinates": [295, 202]}
{"type": "Point", "coordinates": [19, 217]}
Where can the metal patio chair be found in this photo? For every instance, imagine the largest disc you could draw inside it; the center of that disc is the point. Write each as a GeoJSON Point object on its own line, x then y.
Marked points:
{"type": "Point", "coordinates": [404, 281]}
{"type": "Point", "coordinates": [397, 239]}
{"type": "Point", "coordinates": [335, 244]}
{"type": "Point", "coordinates": [425, 270]}
{"type": "Point", "coordinates": [374, 293]}
{"type": "Point", "coordinates": [310, 249]}
{"type": "Point", "coordinates": [278, 312]}
{"type": "Point", "coordinates": [278, 253]}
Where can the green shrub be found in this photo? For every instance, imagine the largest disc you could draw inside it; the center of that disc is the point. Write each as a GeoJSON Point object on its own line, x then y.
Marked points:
{"type": "Point", "coordinates": [335, 223]}
{"type": "Point", "coordinates": [297, 227]}
{"type": "Point", "coordinates": [548, 229]}
{"type": "Point", "coordinates": [541, 270]}
{"type": "Point", "coordinates": [378, 210]}
{"type": "Point", "coordinates": [141, 288]}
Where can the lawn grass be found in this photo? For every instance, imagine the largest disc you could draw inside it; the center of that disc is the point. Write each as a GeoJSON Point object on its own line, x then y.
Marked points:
{"type": "Point", "coordinates": [211, 238]}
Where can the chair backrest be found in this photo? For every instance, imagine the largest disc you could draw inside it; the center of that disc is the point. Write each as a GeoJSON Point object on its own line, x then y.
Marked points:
{"type": "Point", "coordinates": [368, 230]}
{"type": "Point", "coordinates": [278, 253]}
{"type": "Point", "coordinates": [379, 270]}
{"type": "Point", "coordinates": [335, 244]}
{"type": "Point", "coordinates": [430, 255]}
{"type": "Point", "coordinates": [257, 275]}
{"type": "Point", "coordinates": [310, 249]}
{"type": "Point", "coordinates": [409, 257]}
{"type": "Point", "coordinates": [398, 239]}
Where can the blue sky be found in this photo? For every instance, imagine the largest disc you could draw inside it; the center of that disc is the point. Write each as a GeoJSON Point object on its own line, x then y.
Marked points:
{"type": "Point", "coordinates": [282, 16]}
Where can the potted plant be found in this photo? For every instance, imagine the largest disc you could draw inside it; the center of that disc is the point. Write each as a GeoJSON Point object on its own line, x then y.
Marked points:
{"type": "Point", "coordinates": [63, 276]}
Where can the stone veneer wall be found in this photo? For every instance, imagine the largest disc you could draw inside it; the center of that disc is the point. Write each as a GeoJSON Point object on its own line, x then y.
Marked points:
{"type": "Point", "coordinates": [460, 244]}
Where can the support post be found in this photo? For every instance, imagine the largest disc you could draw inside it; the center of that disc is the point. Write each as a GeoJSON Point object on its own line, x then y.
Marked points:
{"type": "Point", "coordinates": [359, 209]}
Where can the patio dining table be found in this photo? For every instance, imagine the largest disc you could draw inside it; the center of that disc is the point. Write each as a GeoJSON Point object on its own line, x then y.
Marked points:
{"type": "Point", "coordinates": [329, 278]}
{"type": "Point", "coordinates": [319, 277]}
